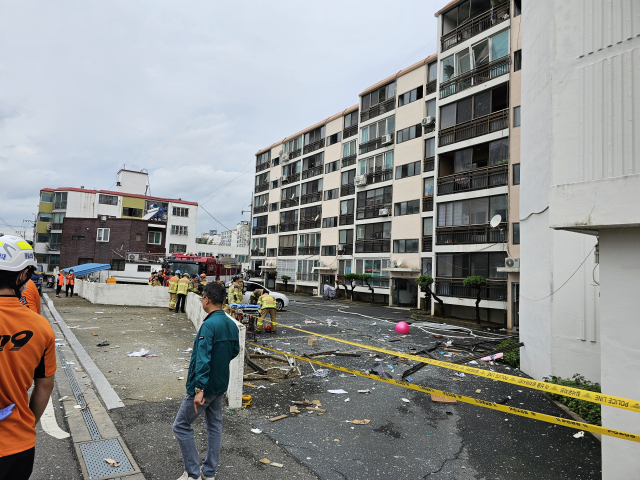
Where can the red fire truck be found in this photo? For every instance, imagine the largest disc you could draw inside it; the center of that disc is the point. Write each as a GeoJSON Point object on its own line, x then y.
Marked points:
{"type": "Point", "coordinates": [223, 268]}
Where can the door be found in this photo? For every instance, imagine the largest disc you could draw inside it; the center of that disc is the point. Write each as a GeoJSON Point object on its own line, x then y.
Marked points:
{"type": "Point", "coordinates": [405, 292]}
{"type": "Point", "coordinates": [515, 304]}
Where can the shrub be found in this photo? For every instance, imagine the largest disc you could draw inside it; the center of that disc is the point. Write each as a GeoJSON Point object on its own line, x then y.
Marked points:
{"type": "Point", "coordinates": [591, 412]}
{"type": "Point", "coordinates": [512, 357]}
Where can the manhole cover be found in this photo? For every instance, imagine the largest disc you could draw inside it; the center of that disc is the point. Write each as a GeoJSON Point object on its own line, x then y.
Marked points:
{"type": "Point", "coordinates": [94, 454]}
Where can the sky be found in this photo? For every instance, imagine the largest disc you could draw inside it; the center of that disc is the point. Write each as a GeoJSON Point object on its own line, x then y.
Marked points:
{"type": "Point", "coordinates": [189, 90]}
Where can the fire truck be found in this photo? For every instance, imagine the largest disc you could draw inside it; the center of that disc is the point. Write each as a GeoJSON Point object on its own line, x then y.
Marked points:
{"type": "Point", "coordinates": [222, 268]}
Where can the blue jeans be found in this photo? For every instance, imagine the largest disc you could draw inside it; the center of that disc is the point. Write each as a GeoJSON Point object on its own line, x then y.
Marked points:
{"type": "Point", "coordinates": [212, 409]}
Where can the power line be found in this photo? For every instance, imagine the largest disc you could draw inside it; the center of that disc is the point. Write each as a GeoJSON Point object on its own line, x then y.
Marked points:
{"type": "Point", "coordinates": [214, 218]}
{"type": "Point", "coordinates": [219, 189]}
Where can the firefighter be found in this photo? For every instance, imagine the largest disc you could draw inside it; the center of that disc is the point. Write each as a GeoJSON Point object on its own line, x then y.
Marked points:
{"type": "Point", "coordinates": [231, 294]}
{"type": "Point", "coordinates": [158, 280]}
{"type": "Point", "coordinates": [267, 306]}
{"type": "Point", "coordinates": [253, 300]}
{"type": "Point", "coordinates": [203, 282]}
{"type": "Point", "coordinates": [183, 289]}
{"type": "Point", "coordinates": [193, 283]}
{"type": "Point", "coordinates": [71, 278]}
{"type": "Point", "coordinates": [240, 283]}
{"type": "Point", "coordinates": [173, 290]}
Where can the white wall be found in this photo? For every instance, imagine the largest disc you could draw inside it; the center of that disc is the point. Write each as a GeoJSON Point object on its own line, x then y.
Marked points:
{"type": "Point", "coordinates": [191, 222]}
{"type": "Point", "coordinates": [81, 205]}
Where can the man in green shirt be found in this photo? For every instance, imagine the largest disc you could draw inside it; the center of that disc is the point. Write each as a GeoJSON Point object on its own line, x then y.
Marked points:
{"type": "Point", "coordinates": [215, 345]}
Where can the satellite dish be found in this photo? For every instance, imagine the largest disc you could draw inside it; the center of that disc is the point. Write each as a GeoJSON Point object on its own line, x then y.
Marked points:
{"type": "Point", "coordinates": [399, 262]}
{"type": "Point", "coordinates": [495, 221]}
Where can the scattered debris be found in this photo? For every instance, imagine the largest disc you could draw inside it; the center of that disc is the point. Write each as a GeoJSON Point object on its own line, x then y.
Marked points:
{"type": "Point", "coordinates": [364, 391]}
{"type": "Point", "coordinates": [491, 357]}
{"type": "Point", "coordinates": [360, 422]}
{"type": "Point", "coordinates": [279, 417]}
{"type": "Point", "coordinates": [266, 461]}
{"type": "Point", "coordinates": [321, 372]}
{"type": "Point", "coordinates": [293, 409]}
{"type": "Point", "coordinates": [405, 400]}
{"type": "Point", "coordinates": [447, 400]}
{"type": "Point", "coordinates": [94, 334]}
{"type": "Point", "coordinates": [347, 399]}
{"type": "Point", "coordinates": [279, 465]}
{"type": "Point", "coordinates": [112, 462]}
{"type": "Point", "coordinates": [339, 391]}
{"type": "Point", "coordinates": [347, 354]}
{"type": "Point", "coordinates": [317, 354]}
{"type": "Point", "coordinates": [180, 378]}
{"type": "Point", "coordinates": [478, 391]}
{"type": "Point", "coordinates": [257, 431]}
{"type": "Point", "coordinates": [247, 384]}
{"type": "Point", "coordinates": [302, 402]}
{"type": "Point", "coordinates": [580, 434]}
{"type": "Point", "coordinates": [316, 409]}
{"type": "Point", "coordinates": [63, 398]}
{"type": "Point", "coordinates": [317, 403]}
{"type": "Point", "coordinates": [141, 353]}
{"type": "Point", "coordinates": [309, 322]}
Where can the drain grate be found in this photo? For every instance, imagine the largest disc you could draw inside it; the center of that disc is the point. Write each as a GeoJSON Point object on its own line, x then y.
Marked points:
{"type": "Point", "coordinates": [94, 453]}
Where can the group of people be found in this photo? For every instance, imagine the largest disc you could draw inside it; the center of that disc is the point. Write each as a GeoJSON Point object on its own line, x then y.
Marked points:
{"type": "Point", "coordinates": [61, 280]}
{"type": "Point", "coordinates": [180, 284]}
{"type": "Point", "coordinates": [266, 302]}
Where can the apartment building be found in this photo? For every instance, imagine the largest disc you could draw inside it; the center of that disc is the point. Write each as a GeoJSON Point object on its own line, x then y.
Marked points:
{"type": "Point", "coordinates": [64, 206]}
{"type": "Point", "coordinates": [406, 182]}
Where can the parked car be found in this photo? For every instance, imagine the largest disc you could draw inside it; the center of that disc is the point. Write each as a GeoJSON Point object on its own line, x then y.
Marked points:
{"type": "Point", "coordinates": [38, 277]}
{"type": "Point", "coordinates": [281, 300]}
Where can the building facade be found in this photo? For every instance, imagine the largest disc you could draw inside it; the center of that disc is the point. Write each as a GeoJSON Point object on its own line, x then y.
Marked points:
{"type": "Point", "coordinates": [407, 181]}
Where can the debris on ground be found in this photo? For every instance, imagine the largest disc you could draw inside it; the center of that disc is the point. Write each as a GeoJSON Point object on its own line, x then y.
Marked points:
{"type": "Point", "coordinates": [279, 465]}
{"type": "Point", "coordinates": [140, 353]}
{"type": "Point", "coordinates": [112, 462]}
{"type": "Point", "coordinates": [321, 372]}
{"type": "Point", "coordinates": [580, 434]}
{"type": "Point", "coordinates": [360, 422]}
{"type": "Point", "coordinates": [339, 391]}
{"type": "Point", "coordinates": [440, 399]}
{"type": "Point", "coordinates": [257, 431]}
{"type": "Point", "coordinates": [316, 409]}
{"type": "Point", "coordinates": [364, 391]}
{"type": "Point", "coordinates": [279, 417]}
{"type": "Point", "coordinates": [266, 461]}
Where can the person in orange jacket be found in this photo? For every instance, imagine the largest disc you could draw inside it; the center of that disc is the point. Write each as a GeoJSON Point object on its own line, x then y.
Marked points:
{"type": "Point", "coordinates": [71, 278]}
{"type": "Point", "coordinates": [60, 283]}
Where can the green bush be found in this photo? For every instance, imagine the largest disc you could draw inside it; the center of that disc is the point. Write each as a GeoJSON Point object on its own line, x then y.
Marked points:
{"type": "Point", "coordinates": [512, 357]}
{"type": "Point", "coordinates": [591, 412]}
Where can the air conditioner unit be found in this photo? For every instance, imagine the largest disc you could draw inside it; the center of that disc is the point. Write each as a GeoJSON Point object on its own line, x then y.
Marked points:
{"type": "Point", "coordinates": [512, 262]}
{"type": "Point", "coordinates": [285, 157]}
{"type": "Point", "coordinates": [360, 180]}
{"type": "Point", "coordinates": [386, 139]}
{"type": "Point", "coordinates": [393, 263]}
{"type": "Point", "coordinates": [321, 264]}
{"type": "Point", "coordinates": [340, 248]}
{"type": "Point", "coordinates": [284, 181]}
{"type": "Point", "coordinates": [383, 212]}
{"type": "Point", "coordinates": [429, 120]}
{"type": "Point", "coordinates": [261, 251]}
{"type": "Point", "coordinates": [133, 257]}
{"type": "Point", "coordinates": [49, 227]}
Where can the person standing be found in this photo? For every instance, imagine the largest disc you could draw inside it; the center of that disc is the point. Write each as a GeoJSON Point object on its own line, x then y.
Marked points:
{"type": "Point", "coordinates": [173, 290]}
{"type": "Point", "coordinates": [71, 279]}
{"type": "Point", "coordinates": [183, 289]}
{"type": "Point", "coordinates": [60, 283]}
{"type": "Point", "coordinates": [269, 307]}
{"type": "Point", "coordinates": [28, 357]}
{"type": "Point", "coordinates": [31, 298]}
{"type": "Point", "coordinates": [215, 345]}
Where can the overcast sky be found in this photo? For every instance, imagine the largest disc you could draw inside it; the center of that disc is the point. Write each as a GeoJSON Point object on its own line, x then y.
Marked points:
{"type": "Point", "coordinates": [189, 90]}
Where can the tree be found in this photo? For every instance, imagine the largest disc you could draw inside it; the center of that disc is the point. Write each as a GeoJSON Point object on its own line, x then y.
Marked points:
{"type": "Point", "coordinates": [425, 282]}
{"type": "Point", "coordinates": [351, 278]}
{"type": "Point", "coordinates": [285, 279]}
{"type": "Point", "coordinates": [477, 282]}
{"type": "Point", "coordinates": [365, 277]}
{"type": "Point", "coordinates": [249, 272]}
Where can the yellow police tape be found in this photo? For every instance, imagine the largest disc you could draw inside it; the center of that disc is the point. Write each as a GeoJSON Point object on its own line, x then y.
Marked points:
{"type": "Point", "coordinates": [473, 401]}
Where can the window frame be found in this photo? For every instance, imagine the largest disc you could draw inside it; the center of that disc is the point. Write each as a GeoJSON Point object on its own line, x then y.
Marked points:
{"type": "Point", "coordinates": [155, 234]}
{"type": "Point", "coordinates": [109, 199]}
{"type": "Point", "coordinates": [402, 171]}
{"type": "Point", "coordinates": [100, 235]}
{"type": "Point", "coordinates": [411, 207]}
{"type": "Point", "coordinates": [401, 245]}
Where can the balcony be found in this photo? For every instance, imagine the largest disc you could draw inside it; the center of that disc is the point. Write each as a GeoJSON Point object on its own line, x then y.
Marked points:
{"type": "Point", "coordinates": [429, 164]}
{"type": "Point", "coordinates": [60, 205]}
{"type": "Point", "coordinates": [476, 26]}
{"type": "Point", "coordinates": [427, 243]}
{"type": "Point", "coordinates": [56, 226]}
{"type": "Point", "coordinates": [431, 87]}
{"type": "Point", "coordinates": [287, 251]}
{"type": "Point", "coordinates": [286, 179]}
{"type": "Point", "coordinates": [481, 178]}
{"type": "Point", "coordinates": [312, 147]}
{"type": "Point", "coordinates": [373, 211]}
{"type": "Point", "coordinates": [381, 176]}
{"type": "Point", "coordinates": [307, 277]}
{"type": "Point", "coordinates": [427, 204]}
{"type": "Point", "coordinates": [452, 287]}
{"type": "Point", "coordinates": [55, 247]}
{"type": "Point", "coordinates": [373, 246]}
{"type": "Point", "coordinates": [307, 224]}
{"type": "Point", "coordinates": [262, 166]}
{"type": "Point", "coordinates": [295, 154]}
{"type": "Point", "coordinates": [311, 197]}
{"type": "Point", "coordinates": [378, 109]}
{"type": "Point", "coordinates": [474, 128]}
{"type": "Point", "coordinates": [375, 144]}
{"type": "Point", "coordinates": [262, 230]}
{"type": "Point", "coordinates": [309, 250]}
{"type": "Point", "coordinates": [346, 219]}
{"type": "Point", "coordinates": [257, 252]}
{"type": "Point", "coordinates": [347, 189]}
{"type": "Point", "coordinates": [475, 77]}
{"type": "Point", "coordinates": [347, 249]}
{"type": "Point", "coordinates": [262, 187]}
{"type": "Point", "coordinates": [261, 209]}
{"type": "Point", "coordinates": [312, 172]}
{"type": "Point", "coordinates": [291, 202]}
{"type": "Point", "coordinates": [349, 131]}
{"type": "Point", "coordinates": [376, 282]}
{"type": "Point", "coordinates": [288, 227]}
{"type": "Point", "coordinates": [466, 235]}
{"type": "Point", "coordinates": [348, 161]}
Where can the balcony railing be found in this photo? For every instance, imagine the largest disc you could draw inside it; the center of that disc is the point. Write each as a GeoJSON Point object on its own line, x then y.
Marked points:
{"type": "Point", "coordinates": [347, 249]}
{"type": "Point", "coordinates": [453, 287]}
{"type": "Point", "coordinates": [312, 147]}
{"type": "Point", "coordinates": [431, 87]}
{"type": "Point", "coordinates": [346, 219]}
{"type": "Point", "coordinates": [307, 277]}
{"type": "Point", "coordinates": [288, 227]}
{"type": "Point", "coordinates": [474, 128]}
{"type": "Point", "coordinates": [348, 161]}
{"type": "Point", "coordinates": [312, 172]}
{"type": "Point", "coordinates": [378, 109]}
{"type": "Point", "coordinates": [309, 250]}
{"type": "Point", "coordinates": [59, 205]}
{"type": "Point", "coordinates": [307, 224]}
{"type": "Point", "coordinates": [376, 282]}
{"type": "Point", "coordinates": [465, 235]}
{"type": "Point", "coordinates": [476, 26]}
{"type": "Point", "coordinates": [381, 176]}
{"type": "Point", "coordinates": [262, 230]}
{"type": "Point", "coordinates": [475, 77]}
{"type": "Point", "coordinates": [261, 209]}
{"type": "Point", "coordinates": [287, 251]}
{"type": "Point", "coordinates": [56, 226]}
{"type": "Point", "coordinates": [262, 187]}
{"type": "Point", "coordinates": [347, 189]}
{"type": "Point", "coordinates": [53, 246]}
{"type": "Point", "coordinates": [295, 153]}
{"type": "Point", "coordinates": [373, 211]}
{"type": "Point", "coordinates": [290, 202]}
{"type": "Point", "coordinates": [427, 243]}
{"type": "Point", "coordinates": [429, 164]}
{"type": "Point", "coordinates": [257, 252]}
{"type": "Point", "coordinates": [311, 197]}
{"type": "Point", "coordinates": [262, 166]}
{"type": "Point", "coordinates": [478, 179]}
{"type": "Point", "coordinates": [373, 246]}
{"type": "Point", "coordinates": [349, 131]}
{"type": "Point", "coordinates": [427, 204]}
{"type": "Point", "coordinates": [294, 177]}
{"type": "Point", "coordinates": [375, 144]}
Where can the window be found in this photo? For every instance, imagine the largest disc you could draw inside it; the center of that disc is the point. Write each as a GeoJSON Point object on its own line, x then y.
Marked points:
{"type": "Point", "coordinates": [260, 180]}
{"type": "Point", "coordinates": [117, 265]}
{"type": "Point", "coordinates": [180, 212]}
{"type": "Point", "coordinates": [329, 222]}
{"type": "Point", "coordinates": [314, 135]}
{"type": "Point", "coordinates": [407, 208]}
{"type": "Point", "coordinates": [60, 200]}
{"type": "Point", "coordinates": [408, 170]}
{"type": "Point", "coordinates": [154, 238]}
{"type": "Point", "coordinates": [349, 149]}
{"type": "Point", "coordinates": [84, 260]}
{"type": "Point", "coordinates": [346, 207]}
{"type": "Point", "coordinates": [43, 238]}
{"type": "Point", "coordinates": [516, 174]}
{"type": "Point", "coordinates": [309, 240]}
{"type": "Point", "coordinates": [131, 212]}
{"type": "Point", "coordinates": [274, 206]}
{"type": "Point", "coordinates": [516, 116]}
{"type": "Point", "coordinates": [107, 199]}
{"type": "Point", "coordinates": [430, 147]}
{"type": "Point", "coordinates": [290, 216]}
{"type": "Point", "coordinates": [329, 251]}
{"type": "Point", "coordinates": [433, 72]}
{"type": "Point", "coordinates": [45, 217]}
{"type": "Point", "coordinates": [476, 211]}
{"type": "Point", "coordinates": [258, 244]}
{"type": "Point", "coordinates": [273, 229]}
{"type": "Point", "coordinates": [516, 233]}
{"type": "Point", "coordinates": [378, 163]}
{"type": "Point", "coordinates": [291, 193]}
{"type": "Point", "coordinates": [103, 235]}
{"type": "Point", "coordinates": [314, 186]}
{"type": "Point", "coordinates": [428, 187]}
{"type": "Point", "coordinates": [275, 162]}
{"type": "Point", "coordinates": [332, 167]}
{"type": "Point", "coordinates": [431, 108]}
{"type": "Point", "coordinates": [427, 226]}
{"type": "Point", "coordinates": [263, 158]}
{"type": "Point", "coordinates": [351, 119]}
{"type": "Point", "coordinates": [377, 129]}
{"type": "Point", "coordinates": [427, 268]}
{"type": "Point", "coordinates": [77, 237]}
{"type": "Point", "coordinates": [261, 200]}
{"type": "Point", "coordinates": [462, 265]}
{"type": "Point", "coordinates": [144, 268]}
{"type": "Point", "coordinates": [335, 138]}
{"type": "Point", "coordinates": [409, 133]}
{"type": "Point", "coordinates": [475, 106]}
{"type": "Point", "coordinates": [287, 241]}
{"type": "Point", "coordinates": [348, 177]}
{"type": "Point", "coordinates": [411, 96]}
{"type": "Point", "coordinates": [178, 230]}
{"type": "Point", "coordinates": [311, 213]}
{"type": "Point", "coordinates": [177, 248]}
{"type": "Point", "coordinates": [517, 60]}
{"type": "Point", "coordinates": [58, 218]}
{"type": "Point", "coordinates": [405, 246]}
{"type": "Point", "coordinates": [56, 239]}
{"type": "Point", "coordinates": [293, 145]}
{"type": "Point", "coordinates": [373, 231]}
{"type": "Point", "coordinates": [345, 237]}
{"type": "Point", "coordinates": [481, 53]}
{"type": "Point", "coordinates": [54, 260]}
{"type": "Point", "coordinates": [312, 161]}
{"type": "Point", "coordinates": [260, 221]}
{"type": "Point", "coordinates": [272, 252]}
{"type": "Point", "coordinates": [291, 169]}
{"type": "Point", "coordinates": [375, 196]}
{"type": "Point", "coordinates": [378, 96]}
{"type": "Point", "coordinates": [331, 194]}
{"type": "Point", "coordinates": [46, 197]}
{"type": "Point", "coordinates": [275, 184]}
{"type": "Point", "coordinates": [517, 7]}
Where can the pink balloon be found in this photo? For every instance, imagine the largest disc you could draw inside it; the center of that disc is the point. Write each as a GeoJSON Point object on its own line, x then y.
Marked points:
{"type": "Point", "coordinates": [402, 327]}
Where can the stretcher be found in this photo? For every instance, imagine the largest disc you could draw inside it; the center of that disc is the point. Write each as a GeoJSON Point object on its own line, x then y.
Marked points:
{"type": "Point", "coordinates": [246, 314]}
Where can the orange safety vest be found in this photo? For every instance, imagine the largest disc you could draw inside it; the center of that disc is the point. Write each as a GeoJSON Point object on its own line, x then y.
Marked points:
{"type": "Point", "coordinates": [70, 279]}
{"type": "Point", "coordinates": [60, 279]}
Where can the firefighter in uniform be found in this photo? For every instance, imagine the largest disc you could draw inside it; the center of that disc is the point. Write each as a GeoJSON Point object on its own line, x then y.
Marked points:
{"type": "Point", "coordinates": [173, 290]}
{"type": "Point", "coordinates": [253, 300]}
{"type": "Point", "coordinates": [240, 284]}
{"type": "Point", "coordinates": [193, 283]}
{"type": "Point", "coordinates": [203, 282]}
{"type": "Point", "coordinates": [267, 306]}
{"type": "Point", "coordinates": [183, 289]}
